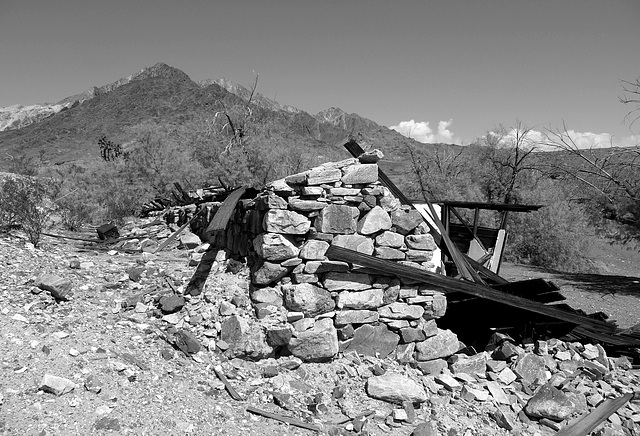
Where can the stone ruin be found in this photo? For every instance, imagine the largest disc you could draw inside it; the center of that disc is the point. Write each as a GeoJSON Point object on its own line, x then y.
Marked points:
{"type": "Point", "coordinates": [314, 308]}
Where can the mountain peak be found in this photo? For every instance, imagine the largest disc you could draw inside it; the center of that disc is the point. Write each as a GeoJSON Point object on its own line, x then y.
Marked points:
{"type": "Point", "coordinates": [161, 70]}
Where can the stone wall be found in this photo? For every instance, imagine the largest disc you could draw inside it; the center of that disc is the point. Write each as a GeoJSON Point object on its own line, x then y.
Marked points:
{"type": "Point", "coordinates": [315, 307]}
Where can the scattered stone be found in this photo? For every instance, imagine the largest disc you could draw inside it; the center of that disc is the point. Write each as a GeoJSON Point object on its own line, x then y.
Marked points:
{"type": "Point", "coordinates": [372, 341]}
{"type": "Point", "coordinates": [529, 368]}
{"type": "Point", "coordinates": [461, 363]}
{"type": "Point", "coordinates": [56, 385]}
{"type": "Point", "coordinates": [395, 388]}
{"type": "Point", "coordinates": [93, 384]}
{"type": "Point", "coordinates": [59, 287]}
{"type": "Point", "coordinates": [551, 403]}
{"type": "Point", "coordinates": [187, 342]}
{"type": "Point", "coordinates": [171, 303]}
{"type": "Point", "coordinates": [432, 367]}
{"type": "Point", "coordinates": [450, 383]}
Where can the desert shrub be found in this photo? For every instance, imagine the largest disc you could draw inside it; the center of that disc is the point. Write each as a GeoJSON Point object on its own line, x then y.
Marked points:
{"type": "Point", "coordinates": [557, 236]}
{"type": "Point", "coordinates": [25, 201]}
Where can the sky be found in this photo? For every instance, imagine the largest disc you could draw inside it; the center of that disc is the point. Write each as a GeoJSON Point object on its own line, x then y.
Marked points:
{"type": "Point", "coordinates": [441, 71]}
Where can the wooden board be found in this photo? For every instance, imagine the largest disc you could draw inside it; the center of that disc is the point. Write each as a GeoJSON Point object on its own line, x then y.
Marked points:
{"type": "Point", "coordinates": [478, 290]}
{"type": "Point", "coordinates": [223, 214]}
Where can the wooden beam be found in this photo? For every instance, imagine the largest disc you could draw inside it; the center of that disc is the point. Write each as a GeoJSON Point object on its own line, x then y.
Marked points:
{"type": "Point", "coordinates": [588, 422]}
{"type": "Point", "coordinates": [463, 268]}
{"type": "Point", "coordinates": [452, 285]}
{"type": "Point", "coordinates": [484, 271]}
{"type": "Point", "coordinates": [282, 418]}
{"type": "Point", "coordinates": [474, 231]}
{"type": "Point", "coordinates": [223, 214]}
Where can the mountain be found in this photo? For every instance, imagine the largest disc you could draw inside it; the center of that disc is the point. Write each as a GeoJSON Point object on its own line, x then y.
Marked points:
{"type": "Point", "coordinates": [70, 130]}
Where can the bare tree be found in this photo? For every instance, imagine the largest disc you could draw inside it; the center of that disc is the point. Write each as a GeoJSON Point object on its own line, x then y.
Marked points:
{"type": "Point", "coordinates": [631, 96]}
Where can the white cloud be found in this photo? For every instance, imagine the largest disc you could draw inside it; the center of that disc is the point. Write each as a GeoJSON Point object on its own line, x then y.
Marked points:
{"type": "Point", "coordinates": [422, 132]}
{"type": "Point", "coordinates": [583, 140]}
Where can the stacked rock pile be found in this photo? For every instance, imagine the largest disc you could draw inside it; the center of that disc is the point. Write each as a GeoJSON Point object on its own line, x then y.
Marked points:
{"type": "Point", "coordinates": [320, 307]}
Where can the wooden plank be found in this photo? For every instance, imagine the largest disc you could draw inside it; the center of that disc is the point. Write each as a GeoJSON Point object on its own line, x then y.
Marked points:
{"type": "Point", "coordinates": [475, 289]}
{"type": "Point", "coordinates": [223, 214]}
{"type": "Point", "coordinates": [177, 232]}
{"type": "Point", "coordinates": [486, 272]}
{"type": "Point", "coordinates": [234, 394]}
{"type": "Point", "coordinates": [282, 418]}
{"type": "Point", "coordinates": [468, 273]}
{"type": "Point", "coordinates": [496, 259]}
{"type": "Point", "coordinates": [588, 422]}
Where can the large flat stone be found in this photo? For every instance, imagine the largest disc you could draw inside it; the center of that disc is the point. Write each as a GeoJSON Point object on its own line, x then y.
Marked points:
{"type": "Point", "coordinates": [335, 281]}
{"type": "Point", "coordinates": [345, 317]}
{"type": "Point", "coordinates": [286, 222]}
{"type": "Point", "coordinates": [390, 239]}
{"type": "Point", "coordinates": [367, 299]}
{"type": "Point", "coordinates": [360, 174]}
{"type": "Point", "coordinates": [321, 176]}
{"type": "Point", "coordinates": [372, 341]}
{"type": "Point", "coordinates": [316, 344]}
{"type": "Point", "coordinates": [323, 266]}
{"type": "Point", "coordinates": [395, 388]}
{"type": "Point", "coordinates": [550, 403]}
{"type": "Point", "coordinates": [389, 253]}
{"type": "Point", "coordinates": [400, 310]}
{"type": "Point", "coordinates": [336, 218]}
{"type": "Point", "coordinates": [358, 243]}
{"type": "Point", "coordinates": [444, 344]}
{"type": "Point", "coordinates": [421, 242]}
{"type": "Point", "coordinates": [60, 288]}
{"type": "Point", "coordinates": [306, 205]}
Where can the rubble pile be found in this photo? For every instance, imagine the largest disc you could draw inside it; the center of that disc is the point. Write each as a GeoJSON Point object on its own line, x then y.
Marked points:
{"type": "Point", "coordinates": [318, 307]}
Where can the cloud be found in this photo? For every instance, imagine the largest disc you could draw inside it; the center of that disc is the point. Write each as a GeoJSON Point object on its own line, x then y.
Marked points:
{"type": "Point", "coordinates": [583, 140]}
{"type": "Point", "coordinates": [422, 132]}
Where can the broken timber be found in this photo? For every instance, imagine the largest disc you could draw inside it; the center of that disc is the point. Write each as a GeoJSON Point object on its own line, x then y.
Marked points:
{"type": "Point", "coordinates": [593, 328]}
{"type": "Point", "coordinates": [282, 418]}
{"type": "Point", "coordinates": [587, 423]}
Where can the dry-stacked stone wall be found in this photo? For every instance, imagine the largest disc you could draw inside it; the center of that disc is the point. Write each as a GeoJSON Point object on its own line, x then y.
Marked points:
{"type": "Point", "coordinates": [315, 307]}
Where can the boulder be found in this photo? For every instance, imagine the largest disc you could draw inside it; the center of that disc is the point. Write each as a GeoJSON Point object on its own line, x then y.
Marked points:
{"type": "Point", "coordinates": [286, 222]}
{"type": "Point", "coordinates": [358, 243]}
{"type": "Point", "coordinates": [59, 287]}
{"type": "Point", "coordinates": [308, 299]}
{"type": "Point", "coordinates": [313, 249]}
{"type": "Point", "coordinates": [421, 242]}
{"type": "Point", "coordinates": [360, 174]}
{"type": "Point", "coordinates": [337, 218]}
{"type": "Point", "coordinates": [367, 299]}
{"type": "Point", "coordinates": [316, 344]}
{"type": "Point", "coordinates": [268, 272]}
{"type": "Point", "coordinates": [406, 220]}
{"type": "Point", "coordinates": [395, 388]}
{"type": "Point", "coordinates": [374, 221]}
{"type": "Point", "coordinates": [274, 247]}
{"type": "Point", "coordinates": [390, 239]}
{"type": "Point", "coordinates": [372, 340]}
{"type": "Point", "coordinates": [550, 403]}
{"type": "Point", "coordinates": [444, 344]}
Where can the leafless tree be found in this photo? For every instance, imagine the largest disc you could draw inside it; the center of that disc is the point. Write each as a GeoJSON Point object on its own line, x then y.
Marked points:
{"type": "Point", "coordinates": [631, 96]}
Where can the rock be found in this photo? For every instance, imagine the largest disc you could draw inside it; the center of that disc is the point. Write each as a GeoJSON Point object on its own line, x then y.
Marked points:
{"type": "Point", "coordinates": [274, 247]}
{"type": "Point", "coordinates": [313, 250]}
{"type": "Point", "coordinates": [267, 295]}
{"type": "Point", "coordinates": [308, 299]}
{"type": "Point", "coordinates": [226, 308]}
{"type": "Point", "coordinates": [406, 220]}
{"type": "Point", "coordinates": [59, 287]}
{"type": "Point", "coordinates": [391, 294]}
{"type": "Point", "coordinates": [389, 253]}
{"type": "Point", "coordinates": [371, 156]}
{"type": "Point", "coordinates": [404, 352]}
{"type": "Point", "coordinates": [286, 221]}
{"type": "Point", "coordinates": [399, 310]}
{"type": "Point", "coordinates": [56, 385]}
{"type": "Point", "coordinates": [171, 303]}
{"type": "Point", "coordinates": [529, 368]}
{"type": "Point", "coordinates": [444, 344]}
{"type": "Point", "coordinates": [450, 383]}
{"type": "Point", "coordinates": [343, 192]}
{"type": "Point", "coordinates": [424, 429]}
{"type": "Point", "coordinates": [306, 205]}
{"type": "Point", "coordinates": [106, 423]}
{"type": "Point", "coordinates": [188, 240]}
{"type": "Point", "coordinates": [335, 281]}
{"type": "Point", "coordinates": [461, 363]}
{"type": "Point", "coordinates": [278, 336]}
{"type": "Point", "coordinates": [374, 221]}
{"type": "Point", "coordinates": [432, 367]}
{"type": "Point", "coordinates": [358, 243]}
{"type": "Point", "coordinates": [323, 266]}
{"type": "Point", "coordinates": [270, 201]}
{"type": "Point", "coordinates": [346, 317]}
{"type": "Point", "coordinates": [507, 376]}
{"type": "Point", "coordinates": [468, 393]}
{"type": "Point", "coordinates": [268, 273]}
{"type": "Point", "coordinates": [360, 174]}
{"type": "Point", "coordinates": [421, 242]}
{"type": "Point", "coordinates": [314, 191]}
{"type": "Point", "coordinates": [435, 306]}
{"type": "Point", "coordinates": [395, 388]}
{"type": "Point", "coordinates": [337, 218]}
{"type": "Point", "coordinates": [390, 239]}
{"type": "Point", "coordinates": [419, 255]}
{"type": "Point", "coordinates": [321, 176]}
{"type": "Point", "coordinates": [372, 340]}
{"type": "Point", "coordinates": [243, 340]}
{"type": "Point", "coordinates": [497, 393]}
{"type": "Point", "coordinates": [316, 344]}
{"type": "Point", "coordinates": [410, 334]}
{"type": "Point", "coordinates": [93, 384]}
{"type": "Point", "coordinates": [367, 299]}
{"type": "Point", "coordinates": [187, 342]}
{"type": "Point", "coordinates": [550, 403]}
